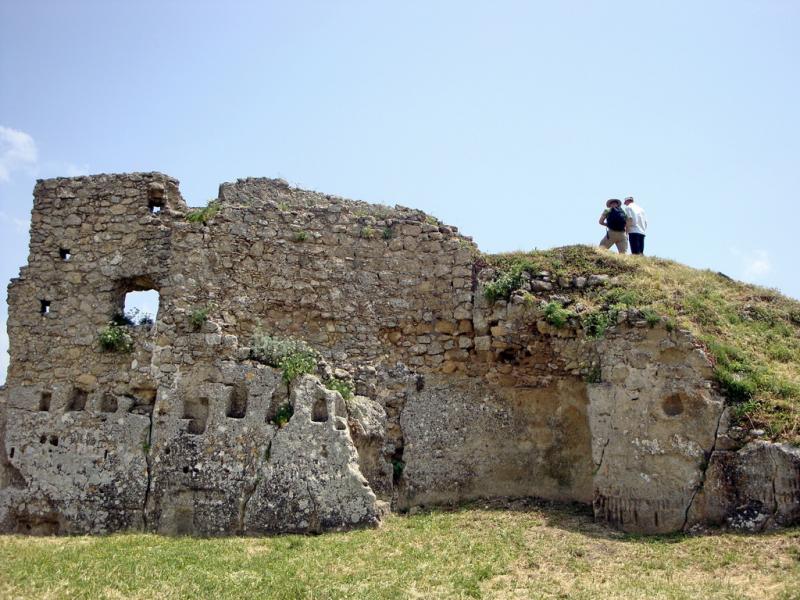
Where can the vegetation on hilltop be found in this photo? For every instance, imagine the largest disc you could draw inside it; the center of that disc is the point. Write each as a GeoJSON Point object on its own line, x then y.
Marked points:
{"type": "Point", "coordinates": [205, 214]}
{"type": "Point", "coordinates": [752, 333]}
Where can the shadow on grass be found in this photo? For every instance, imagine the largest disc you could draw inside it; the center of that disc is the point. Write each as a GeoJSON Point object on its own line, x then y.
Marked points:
{"type": "Point", "coordinates": [578, 518]}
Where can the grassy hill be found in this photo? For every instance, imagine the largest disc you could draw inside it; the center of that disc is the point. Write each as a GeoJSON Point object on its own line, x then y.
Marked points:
{"type": "Point", "coordinates": [752, 333]}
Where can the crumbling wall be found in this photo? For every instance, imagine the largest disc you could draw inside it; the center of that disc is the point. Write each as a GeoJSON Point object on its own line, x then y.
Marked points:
{"type": "Point", "coordinates": [458, 397]}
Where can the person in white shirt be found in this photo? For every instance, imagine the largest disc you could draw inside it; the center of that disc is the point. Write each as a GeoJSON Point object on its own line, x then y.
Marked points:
{"type": "Point", "coordinates": [637, 225]}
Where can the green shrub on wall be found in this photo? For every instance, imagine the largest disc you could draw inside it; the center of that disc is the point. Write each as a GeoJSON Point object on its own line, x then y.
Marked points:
{"type": "Point", "coordinates": [345, 388]}
{"type": "Point", "coordinates": [199, 316]}
{"type": "Point", "coordinates": [203, 215]}
{"type": "Point", "coordinates": [556, 315]}
{"type": "Point", "coordinates": [293, 357]}
{"type": "Point", "coordinates": [116, 338]}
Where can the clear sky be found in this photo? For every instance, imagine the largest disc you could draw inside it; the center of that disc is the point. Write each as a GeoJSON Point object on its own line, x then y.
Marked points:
{"type": "Point", "coordinates": [514, 120]}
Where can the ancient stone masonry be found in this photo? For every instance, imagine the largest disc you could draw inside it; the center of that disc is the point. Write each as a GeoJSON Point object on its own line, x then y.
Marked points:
{"type": "Point", "coordinates": [456, 397]}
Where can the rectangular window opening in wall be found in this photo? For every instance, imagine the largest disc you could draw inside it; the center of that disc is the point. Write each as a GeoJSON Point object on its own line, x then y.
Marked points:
{"type": "Point", "coordinates": [64, 253]}
{"type": "Point", "coordinates": [237, 403]}
{"type": "Point", "coordinates": [44, 307]}
{"type": "Point", "coordinates": [196, 410]}
{"type": "Point", "coordinates": [319, 412]}
{"type": "Point", "coordinates": [109, 403]}
{"type": "Point", "coordinates": [78, 400]}
{"type": "Point", "coordinates": [155, 205]}
{"type": "Point", "coordinates": [141, 307]}
{"type": "Point", "coordinates": [44, 401]}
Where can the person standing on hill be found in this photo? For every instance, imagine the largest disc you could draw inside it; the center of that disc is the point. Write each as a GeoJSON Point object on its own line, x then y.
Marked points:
{"type": "Point", "coordinates": [637, 225]}
{"type": "Point", "coordinates": [615, 222]}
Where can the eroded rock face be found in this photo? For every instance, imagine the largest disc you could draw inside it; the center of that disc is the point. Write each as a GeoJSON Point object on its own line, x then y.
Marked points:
{"type": "Point", "coordinates": [458, 397]}
{"type": "Point", "coordinates": [654, 423]}
{"type": "Point", "coordinates": [310, 479]}
{"type": "Point", "coordinates": [465, 440]}
{"type": "Point", "coordinates": [204, 464]}
{"type": "Point", "coordinates": [754, 488]}
{"type": "Point", "coordinates": [211, 471]}
{"type": "Point", "coordinates": [76, 471]}
{"type": "Point", "coordinates": [367, 424]}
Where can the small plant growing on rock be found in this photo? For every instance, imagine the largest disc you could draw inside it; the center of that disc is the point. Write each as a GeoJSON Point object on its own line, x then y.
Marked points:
{"type": "Point", "coordinates": [300, 236]}
{"type": "Point", "coordinates": [282, 416]}
{"type": "Point", "coordinates": [368, 233]}
{"type": "Point", "coordinates": [398, 466]}
{"type": "Point", "coordinates": [594, 375]}
{"type": "Point", "coordinates": [596, 323]}
{"type": "Point", "coordinates": [116, 338]}
{"type": "Point", "coordinates": [651, 316]}
{"type": "Point", "coordinates": [556, 315]}
{"type": "Point", "coordinates": [502, 287]}
{"type": "Point", "coordinates": [508, 281]}
{"type": "Point", "coordinates": [199, 316]}
{"type": "Point", "coordinates": [203, 215]}
{"type": "Point", "coordinates": [388, 233]}
{"type": "Point", "coordinates": [344, 387]}
{"type": "Point", "coordinates": [528, 300]}
{"type": "Point", "coordinates": [298, 364]}
{"type": "Point", "coordinates": [292, 357]}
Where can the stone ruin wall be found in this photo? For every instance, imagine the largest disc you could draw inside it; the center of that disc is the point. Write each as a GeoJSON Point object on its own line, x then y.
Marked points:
{"type": "Point", "coordinates": [457, 398]}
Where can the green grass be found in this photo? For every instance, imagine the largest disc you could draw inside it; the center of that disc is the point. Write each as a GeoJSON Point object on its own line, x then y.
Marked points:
{"type": "Point", "coordinates": [752, 333]}
{"type": "Point", "coordinates": [530, 552]}
{"type": "Point", "coordinates": [205, 214]}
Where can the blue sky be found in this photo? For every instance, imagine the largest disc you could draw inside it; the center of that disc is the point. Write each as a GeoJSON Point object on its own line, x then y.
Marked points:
{"type": "Point", "coordinates": [512, 120]}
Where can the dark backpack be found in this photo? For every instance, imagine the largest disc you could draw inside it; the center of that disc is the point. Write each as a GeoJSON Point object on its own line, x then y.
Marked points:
{"type": "Point", "coordinates": [616, 219]}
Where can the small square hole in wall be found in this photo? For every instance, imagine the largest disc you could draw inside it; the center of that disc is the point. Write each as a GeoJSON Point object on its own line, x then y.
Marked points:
{"type": "Point", "coordinates": [78, 400]}
{"type": "Point", "coordinates": [155, 206]}
{"type": "Point", "coordinates": [44, 401]}
{"type": "Point", "coordinates": [196, 410]}
{"type": "Point", "coordinates": [64, 253]}
{"type": "Point", "coordinates": [44, 307]}
{"type": "Point", "coordinates": [237, 403]}
{"type": "Point", "coordinates": [319, 412]}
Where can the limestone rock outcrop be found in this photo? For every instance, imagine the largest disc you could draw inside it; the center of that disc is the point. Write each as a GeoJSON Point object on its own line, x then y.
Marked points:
{"type": "Point", "coordinates": [171, 426]}
{"type": "Point", "coordinates": [654, 422]}
{"type": "Point", "coordinates": [94, 471]}
{"type": "Point", "coordinates": [752, 489]}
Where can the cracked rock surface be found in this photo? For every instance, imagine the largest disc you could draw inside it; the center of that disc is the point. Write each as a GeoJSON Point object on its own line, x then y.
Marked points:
{"type": "Point", "coordinates": [457, 397]}
{"type": "Point", "coordinates": [93, 472]}
{"type": "Point", "coordinates": [752, 489]}
{"type": "Point", "coordinates": [311, 481]}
